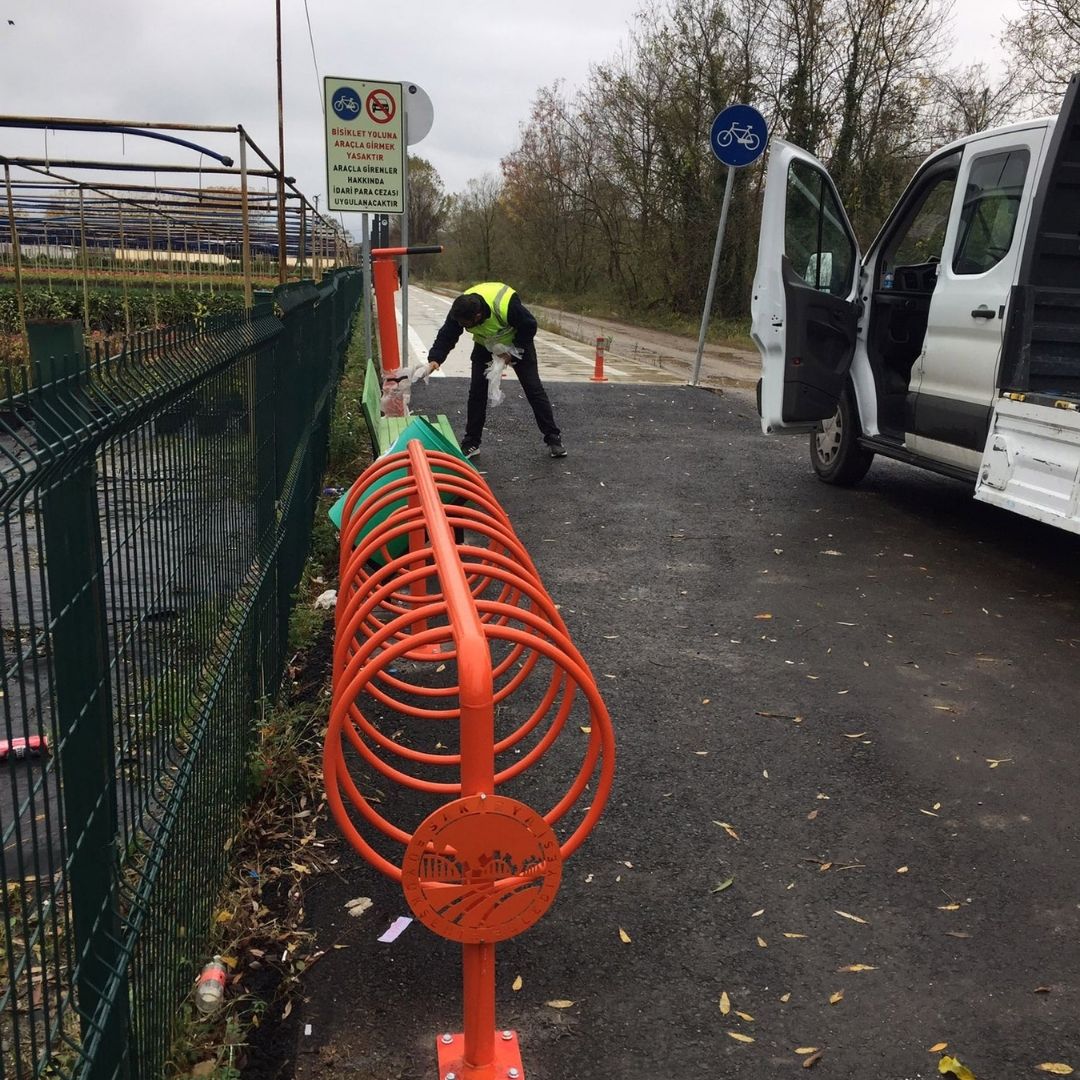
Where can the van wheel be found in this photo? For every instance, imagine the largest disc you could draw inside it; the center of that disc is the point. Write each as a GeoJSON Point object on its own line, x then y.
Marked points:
{"type": "Point", "coordinates": [835, 452]}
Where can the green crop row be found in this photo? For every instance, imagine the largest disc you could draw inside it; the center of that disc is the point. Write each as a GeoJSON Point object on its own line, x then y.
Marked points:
{"type": "Point", "coordinates": [106, 307]}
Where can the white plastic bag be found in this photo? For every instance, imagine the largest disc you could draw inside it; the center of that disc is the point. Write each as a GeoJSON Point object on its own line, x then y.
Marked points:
{"type": "Point", "coordinates": [395, 392]}
{"type": "Point", "coordinates": [501, 355]}
{"type": "Point", "coordinates": [494, 375]}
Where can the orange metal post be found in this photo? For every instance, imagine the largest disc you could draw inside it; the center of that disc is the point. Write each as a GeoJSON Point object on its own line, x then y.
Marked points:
{"type": "Point", "coordinates": [477, 749]}
{"type": "Point", "coordinates": [598, 371]}
{"type": "Point", "coordinates": [384, 277]}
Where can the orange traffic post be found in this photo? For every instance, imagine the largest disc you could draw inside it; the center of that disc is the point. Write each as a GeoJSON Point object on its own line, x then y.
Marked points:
{"type": "Point", "coordinates": [482, 866]}
{"type": "Point", "coordinates": [384, 277]}
{"type": "Point", "coordinates": [598, 371]}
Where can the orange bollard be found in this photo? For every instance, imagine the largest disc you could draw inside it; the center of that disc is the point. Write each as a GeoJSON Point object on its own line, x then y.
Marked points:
{"type": "Point", "coordinates": [384, 277]}
{"type": "Point", "coordinates": [598, 372]}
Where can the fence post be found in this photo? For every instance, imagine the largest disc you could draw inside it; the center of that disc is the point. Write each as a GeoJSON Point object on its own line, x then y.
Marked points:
{"type": "Point", "coordinates": [83, 700]}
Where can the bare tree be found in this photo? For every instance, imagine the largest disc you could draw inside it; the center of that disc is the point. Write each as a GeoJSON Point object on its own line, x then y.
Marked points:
{"type": "Point", "coordinates": [1043, 48]}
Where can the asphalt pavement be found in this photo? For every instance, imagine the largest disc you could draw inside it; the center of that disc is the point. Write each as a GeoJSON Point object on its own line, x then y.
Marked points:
{"type": "Point", "coordinates": [845, 811]}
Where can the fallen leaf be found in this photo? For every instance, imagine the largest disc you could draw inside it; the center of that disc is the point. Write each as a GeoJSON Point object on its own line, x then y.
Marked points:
{"type": "Point", "coordinates": [704, 701]}
{"type": "Point", "coordinates": [745, 1016]}
{"type": "Point", "coordinates": [762, 942]}
{"type": "Point", "coordinates": [724, 885]}
{"type": "Point", "coordinates": [948, 907]}
{"type": "Point", "coordinates": [288, 1009]}
{"type": "Point", "coordinates": [760, 911]}
{"type": "Point", "coordinates": [204, 1068]}
{"type": "Point", "coordinates": [725, 1003]}
{"type": "Point", "coordinates": [702, 753]}
{"type": "Point", "coordinates": [738, 1036]}
{"type": "Point", "coordinates": [938, 1047]}
{"type": "Point", "coordinates": [813, 814]}
{"type": "Point", "coordinates": [806, 1049]}
{"type": "Point", "coordinates": [994, 763]}
{"type": "Point", "coordinates": [825, 866]}
{"type": "Point", "coordinates": [853, 918]}
{"type": "Point", "coordinates": [857, 967]}
{"type": "Point", "coordinates": [838, 996]}
{"type": "Point", "coordinates": [794, 935]}
{"type": "Point", "coordinates": [1058, 1068]}
{"type": "Point", "coordinates": [585, 729]}
{"type": "Point", "coordinates": [728, 829]}
{"type": "Point", "coordinates": [1041, 990]}
{"type": "Point", "coordinates": [812, 1060]}
{"type": "Point", "coordinates": [763, 615]}
{"type": "Point", "coordinates": [785, 998]}
{"type": "Point", "coordinates": [949, 1066]}
{"type": "Point", "coordinates": [517, 984]}
{"type": "Point", "coordinates": [624, 937]}
{"type": "Point", "coordinates": [901, 869]}
{"type": "Point", "coordinates": [928, 813]}
{"type": "Point", "coordinates": [357, 907]}
{"type": "Point", "coordinates": [857, 735]}
{"type": "Point", "coordinates": [957, 933]}
{"type": "Point", "coordinates": [559, 1003]}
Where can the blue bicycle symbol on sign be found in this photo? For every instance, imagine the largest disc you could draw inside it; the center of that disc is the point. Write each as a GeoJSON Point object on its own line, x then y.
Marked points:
{"type": "Point", "coordinates": [346, 103]}
{"type": "Point", "coordinates": [739, 134]}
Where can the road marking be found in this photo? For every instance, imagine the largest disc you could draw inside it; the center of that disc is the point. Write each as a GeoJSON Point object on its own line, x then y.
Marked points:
{"type": "Point", "coordinates": [416, 345]}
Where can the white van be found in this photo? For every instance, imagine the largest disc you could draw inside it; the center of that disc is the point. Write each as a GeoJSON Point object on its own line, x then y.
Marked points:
{"type": "Point", "coordinates": [954, 343]}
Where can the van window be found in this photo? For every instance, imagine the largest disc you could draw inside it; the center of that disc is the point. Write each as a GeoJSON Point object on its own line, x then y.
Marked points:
{"type": "Point", "coordinates": [991, 206]}
{"type": "Point", "coordinates": [921, 242]}
{"type": "Point", "coordinates": [816, 240]}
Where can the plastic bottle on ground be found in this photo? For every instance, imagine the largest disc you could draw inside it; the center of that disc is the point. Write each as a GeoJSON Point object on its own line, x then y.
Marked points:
{"type": "Point", "coordinates": [210, 989]}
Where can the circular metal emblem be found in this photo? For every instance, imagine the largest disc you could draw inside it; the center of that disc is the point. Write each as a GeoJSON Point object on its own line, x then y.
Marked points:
{"type": "Point", "coordinates": [481, 869]}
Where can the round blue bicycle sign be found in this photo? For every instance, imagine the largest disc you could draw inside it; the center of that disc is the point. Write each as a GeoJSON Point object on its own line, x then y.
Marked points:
{"type": "Point", "coordinates": [739, 134]}
{"type": "Point", "coordinates": [346, 103]}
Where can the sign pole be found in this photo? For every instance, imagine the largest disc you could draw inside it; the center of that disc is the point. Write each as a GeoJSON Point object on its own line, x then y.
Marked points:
{"type": "Point", "coordinates": [365, 263]}
{"type": "Point", "coordinates": [712, 275]}
{"type": "Point", "coordinates": [405, 238]}
{"type": "Point", "coordinates": [737, 138]}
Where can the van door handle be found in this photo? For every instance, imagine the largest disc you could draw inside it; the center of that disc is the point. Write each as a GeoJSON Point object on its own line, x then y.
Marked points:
{"type": "Point", "coordinates": [983, 313]}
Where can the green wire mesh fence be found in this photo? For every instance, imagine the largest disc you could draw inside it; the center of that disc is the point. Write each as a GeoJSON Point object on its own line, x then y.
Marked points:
{"type": "Point", "coordinates": [156, 505]}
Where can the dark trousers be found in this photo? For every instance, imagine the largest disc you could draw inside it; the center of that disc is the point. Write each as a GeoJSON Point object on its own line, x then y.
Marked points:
{"type": "Point", "coordinates": [529, 377]}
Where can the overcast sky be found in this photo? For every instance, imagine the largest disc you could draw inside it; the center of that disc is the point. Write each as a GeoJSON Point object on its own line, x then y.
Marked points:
{"type": "Point", "coordinates": [212, 61]}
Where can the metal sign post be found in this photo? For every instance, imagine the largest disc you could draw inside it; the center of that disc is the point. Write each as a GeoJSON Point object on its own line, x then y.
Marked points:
{"type": "Point", "coordinates": [738, 137]}
{"type": "Point", "coordinates": [365, 263]}
{"type": "Point", "coordinates": [416, 123]}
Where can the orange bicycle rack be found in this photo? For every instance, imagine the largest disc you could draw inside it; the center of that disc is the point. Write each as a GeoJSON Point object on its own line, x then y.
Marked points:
{"type": "Point", "coordinates": [446, 637]}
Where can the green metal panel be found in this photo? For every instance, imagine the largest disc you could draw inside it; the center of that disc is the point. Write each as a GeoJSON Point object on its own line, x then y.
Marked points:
{"type": "Point", "coordinates": [156, 501]}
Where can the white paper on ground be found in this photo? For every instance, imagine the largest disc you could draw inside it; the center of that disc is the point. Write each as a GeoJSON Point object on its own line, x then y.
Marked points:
{"type": "Point", "coordinates": [395, 929]}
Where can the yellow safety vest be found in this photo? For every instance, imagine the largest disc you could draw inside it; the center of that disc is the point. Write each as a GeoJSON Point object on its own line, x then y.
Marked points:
{"type": "Point", "coordinates": [494, 329]}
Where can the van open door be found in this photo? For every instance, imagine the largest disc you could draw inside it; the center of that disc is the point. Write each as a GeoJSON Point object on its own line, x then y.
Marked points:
{"type": "Point", "coordinates": [805, 301]}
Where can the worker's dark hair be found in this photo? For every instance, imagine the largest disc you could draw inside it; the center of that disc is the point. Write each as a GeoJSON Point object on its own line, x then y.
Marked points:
{"type": "Point", "coordinates": [467, 308]}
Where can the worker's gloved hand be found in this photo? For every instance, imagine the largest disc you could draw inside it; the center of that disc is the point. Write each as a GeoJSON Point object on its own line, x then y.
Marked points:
{"type": "Point", "coordinates": [422, 371]}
